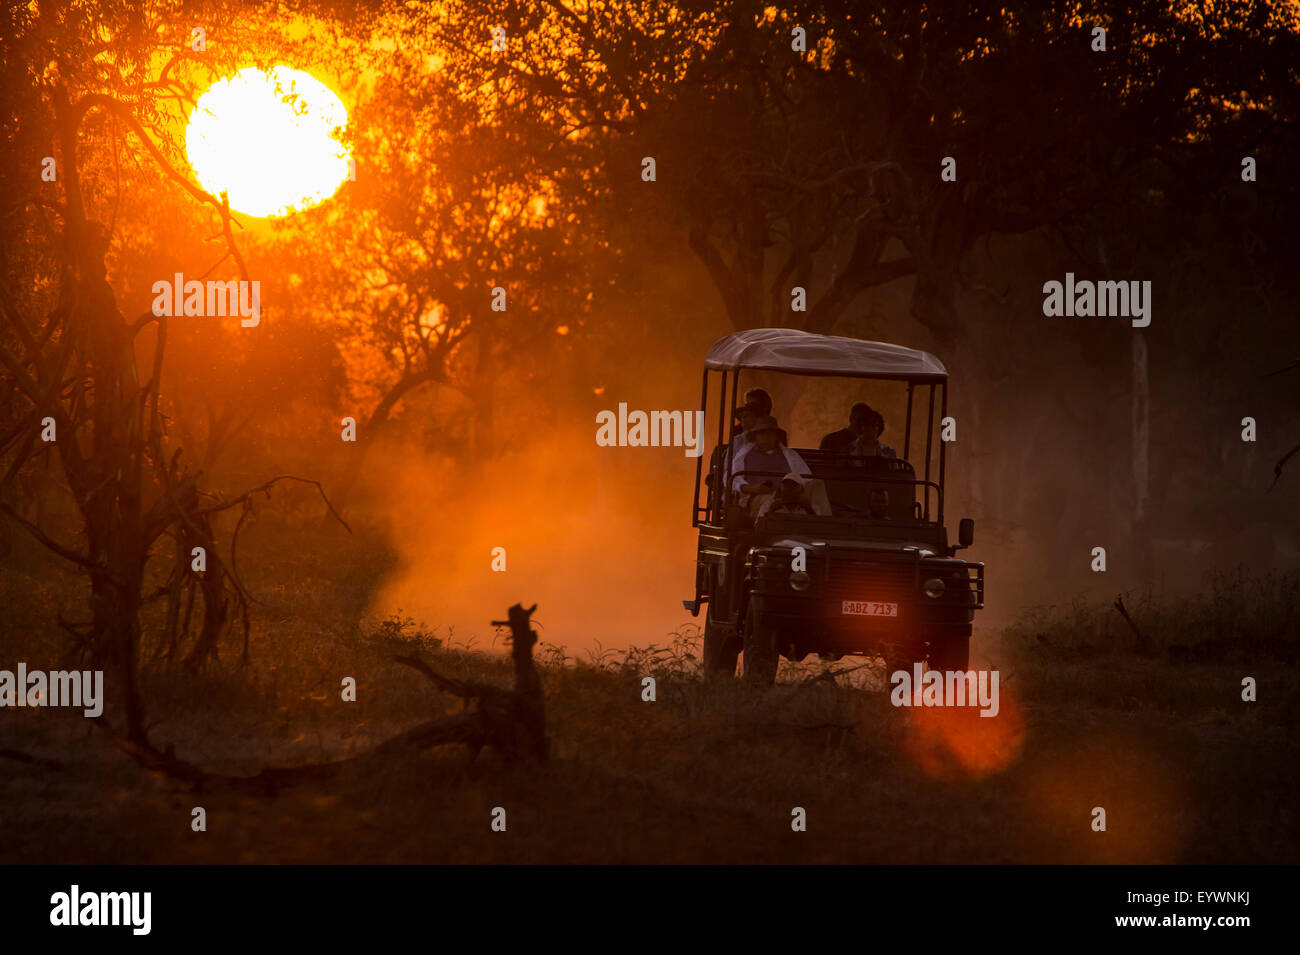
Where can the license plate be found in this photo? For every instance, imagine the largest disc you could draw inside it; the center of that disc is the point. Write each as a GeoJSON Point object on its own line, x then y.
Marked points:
{"type": "Point", "coordinates": [870, 608]}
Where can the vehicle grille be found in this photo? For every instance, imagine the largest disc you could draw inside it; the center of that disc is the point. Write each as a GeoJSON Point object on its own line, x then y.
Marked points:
{"type": "Point", "coordinates": [863, 581]}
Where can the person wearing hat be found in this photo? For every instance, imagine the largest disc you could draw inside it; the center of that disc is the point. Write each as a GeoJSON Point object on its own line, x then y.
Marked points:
{"type": "Point", "coordinates": [758, 404]}
{"type": "Point", "coordinates": [788, 499]}
{"type": "Point", "coordinates": [761, 465]}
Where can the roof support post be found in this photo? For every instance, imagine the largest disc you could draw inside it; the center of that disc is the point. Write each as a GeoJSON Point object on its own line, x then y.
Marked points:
{"type": "Point", "coordinates": [943, 447]}
{"type": "Point", "coordinates": [929, 438]}
{"type": "Point", "coordinates": [699, 460]}
{"type": "Point", "coordinates": [907, 428]}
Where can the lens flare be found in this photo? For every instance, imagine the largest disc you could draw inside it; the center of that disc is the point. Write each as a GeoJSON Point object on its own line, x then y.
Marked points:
{"type": "Point", "coordinates": [270, 139]}
{"type": "Point", "coordinates": [956, 742]}
{"type": "Point", "coordinates": [1149, 816]}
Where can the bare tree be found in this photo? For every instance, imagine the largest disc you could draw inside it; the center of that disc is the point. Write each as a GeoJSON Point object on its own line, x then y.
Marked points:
{"type": "Point", "coordinates": [90, 378]}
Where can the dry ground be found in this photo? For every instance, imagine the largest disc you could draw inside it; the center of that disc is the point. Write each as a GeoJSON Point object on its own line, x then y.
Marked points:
{"type": "Point", "coordinates": [1185, 770]}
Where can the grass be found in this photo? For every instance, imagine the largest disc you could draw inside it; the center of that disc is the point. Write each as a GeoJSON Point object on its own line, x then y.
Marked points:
{"type": "Point", "coordinates": [1186, 770]}
{"type": "Point", "coordinates": [1235, 614]}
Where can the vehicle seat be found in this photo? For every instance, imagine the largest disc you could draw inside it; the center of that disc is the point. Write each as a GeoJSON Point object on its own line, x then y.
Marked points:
{"type": "Point", "coordinates": [849, 479]}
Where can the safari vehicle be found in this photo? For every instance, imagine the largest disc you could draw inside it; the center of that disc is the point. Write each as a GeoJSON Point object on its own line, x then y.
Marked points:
{"type": "Point", "coordinates": [889, 585]}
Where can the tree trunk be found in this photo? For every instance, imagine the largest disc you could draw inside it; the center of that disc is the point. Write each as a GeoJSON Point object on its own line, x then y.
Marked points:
{"type": "Point", "coordinates": [485, 377]}
{"type": "Point", "coordinates": [115, 607]}
{"type": "Point", "coordinates": [1141, 541]}
{"type": "Point", "coordinates": [369, 429]}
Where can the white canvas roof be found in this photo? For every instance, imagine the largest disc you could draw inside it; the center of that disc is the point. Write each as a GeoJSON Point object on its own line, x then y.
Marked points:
{"type": "Point", "coordinates": [804, 353]}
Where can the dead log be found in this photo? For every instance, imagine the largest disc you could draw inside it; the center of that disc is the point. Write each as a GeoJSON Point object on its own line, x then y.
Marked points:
{"type": "Point", "coordinates": [511, 721]}
{"type": "Point", "coordinates": [19, 756]}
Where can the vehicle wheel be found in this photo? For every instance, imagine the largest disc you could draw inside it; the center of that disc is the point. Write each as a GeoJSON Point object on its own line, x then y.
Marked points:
{"type": "Point", "coordinates": [950, 653]}
{"type": "Point", "coordinates": [901, 657]}
{"type": "Point", "coordinates": [760, 652]}
{"type": "Point", "coordinates": [721, 647]}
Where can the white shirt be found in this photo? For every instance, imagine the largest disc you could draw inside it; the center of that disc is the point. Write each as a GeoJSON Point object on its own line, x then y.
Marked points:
{"type": "Point", "coordinates": [793, 463]}
{"type": "Point", "coordinates": [740, 443]}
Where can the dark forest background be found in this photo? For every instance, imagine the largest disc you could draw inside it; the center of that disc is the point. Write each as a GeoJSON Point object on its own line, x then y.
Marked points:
{"type": "Point", "coordinates": [798, 145]}
{"type": "Point", "coordinates": [775, 167]}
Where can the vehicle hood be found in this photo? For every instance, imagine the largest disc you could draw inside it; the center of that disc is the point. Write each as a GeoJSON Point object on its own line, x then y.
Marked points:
{"type": "Point", "coordinates": [900, 548]}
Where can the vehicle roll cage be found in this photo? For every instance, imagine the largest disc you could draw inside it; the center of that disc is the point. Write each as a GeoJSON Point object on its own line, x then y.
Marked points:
{"type": "Point", "coordinates": [703, 513]}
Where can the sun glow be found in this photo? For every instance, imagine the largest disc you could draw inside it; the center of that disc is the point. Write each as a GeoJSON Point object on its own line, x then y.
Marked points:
{"type": "Point", "coordinates": [269, 139]}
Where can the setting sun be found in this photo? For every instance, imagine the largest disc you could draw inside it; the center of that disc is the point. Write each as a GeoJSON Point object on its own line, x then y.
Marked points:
{"type": "Point", "coordinates": [270, 139]}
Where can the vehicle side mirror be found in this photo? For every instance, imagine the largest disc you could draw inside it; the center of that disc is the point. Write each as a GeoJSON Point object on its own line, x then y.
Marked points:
{"type": "Point", "coordinates": [965, 532]}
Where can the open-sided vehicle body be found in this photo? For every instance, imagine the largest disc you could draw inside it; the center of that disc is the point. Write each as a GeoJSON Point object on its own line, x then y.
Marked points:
{"type": "Point", "coordinates": [841, 582]}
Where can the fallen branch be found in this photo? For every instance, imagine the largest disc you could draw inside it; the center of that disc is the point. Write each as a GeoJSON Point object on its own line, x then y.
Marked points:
{"type": "Point", "coordinates": [830, 675]}
{"type": "Point", "coordinates": [1123, 612]}
{"type": "Point", "coordinates": [1277, 468]}
{"type": "Point", "coordinates": [19, 756]}
{"type": "Point", "coordinates": [511, 721]}
{"type": "Point", "coordinates": [265, 486]}
{"type": "Point", "coordinates": [459, 688]}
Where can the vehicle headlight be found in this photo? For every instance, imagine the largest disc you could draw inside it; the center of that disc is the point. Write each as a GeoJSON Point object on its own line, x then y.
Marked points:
{"type": "Point", "coordinates": [934, 588]}
{"type": "Point", "coordinates": [799, 580]}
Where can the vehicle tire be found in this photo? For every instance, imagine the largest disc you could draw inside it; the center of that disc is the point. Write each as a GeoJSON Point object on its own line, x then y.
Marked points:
{"type": "Point", "coordinates": [950, 653]}
{"type": "Point", "coordinates": [721, 647]}
{"type": "Point", "coordinates": [760, 652]}
{"type": "Point", "coordinates": [901, 657]}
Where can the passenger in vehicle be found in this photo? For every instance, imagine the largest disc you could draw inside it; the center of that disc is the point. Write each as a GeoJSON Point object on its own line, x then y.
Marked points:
{"type": "Point", "coordinates": [878, 504]}
{"type": "Point", "coordinates": [743, 422]}
{"type": "Point", "coordinates": [789, 498]}
{"type": "Point", "coordinates": [867, 444]}
{"type": "Point", "coordinates": [758, 404]}
{"type": "Point", "coordinates": [761, 465]}
{"type": "Point", "coordinates": [843, 439]}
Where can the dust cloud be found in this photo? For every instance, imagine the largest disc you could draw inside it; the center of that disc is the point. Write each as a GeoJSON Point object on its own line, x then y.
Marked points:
{"type": "Point", "coordinates": [599, 538]}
